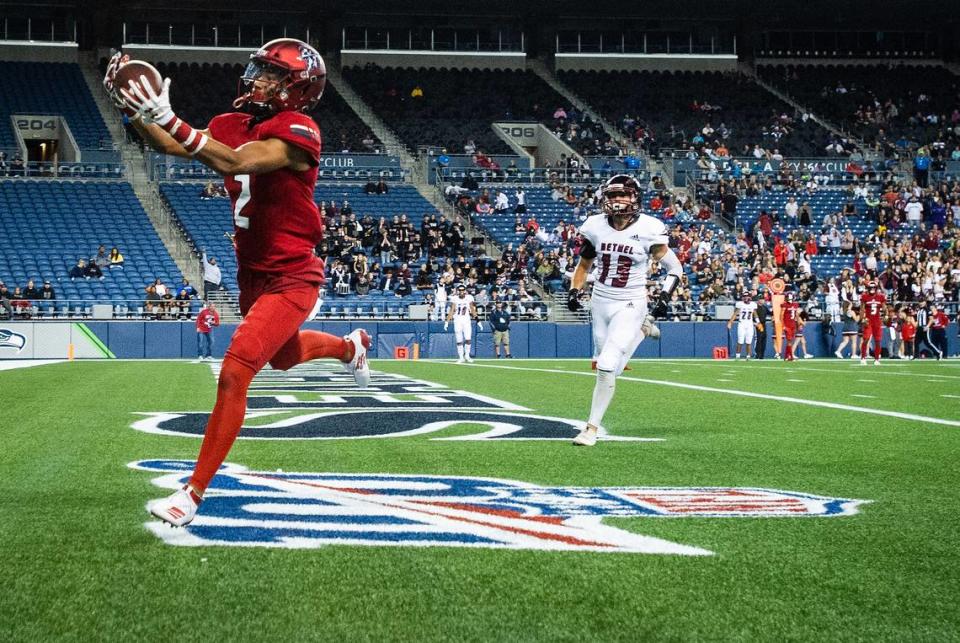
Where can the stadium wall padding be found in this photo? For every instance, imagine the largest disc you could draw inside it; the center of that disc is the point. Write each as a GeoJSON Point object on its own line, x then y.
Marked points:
{"type": "Point", "coordinates": [176, 340]}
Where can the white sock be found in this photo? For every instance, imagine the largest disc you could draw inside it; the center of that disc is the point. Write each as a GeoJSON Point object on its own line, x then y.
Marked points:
{"type": "Point", "coordinates": [602, 394]}
{"type": "Point", "coordinates": [460, 351]}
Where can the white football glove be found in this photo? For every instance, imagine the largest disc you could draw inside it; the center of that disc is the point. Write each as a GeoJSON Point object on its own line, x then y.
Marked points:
{"type": "Point", "coordinates": [446, 325]}
{"type": "Point", "coordinates": [153, 108]}
{"type": "Point", "coordinates": [479, 325]}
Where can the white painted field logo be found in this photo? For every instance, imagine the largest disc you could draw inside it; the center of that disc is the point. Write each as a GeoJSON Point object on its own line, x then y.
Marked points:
{"type": "Point", "coordinates": [320, 402]}
{"type": "Point", "coordinates": [307, 510]}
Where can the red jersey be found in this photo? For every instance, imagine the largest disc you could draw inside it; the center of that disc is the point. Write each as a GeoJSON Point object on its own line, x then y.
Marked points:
{"type": "Point", "coordinates": [206, 320]}
{"type": "Point", "coordinates": [939, 319]}
{"type": "Point", "coordinates": [276, 221]}
{"type": "Point", "coordinates": [791, 313]}
{"type": "Point", "coordinates": [872, 306]}
{"type": "Point", "coordinates": [908, 331]}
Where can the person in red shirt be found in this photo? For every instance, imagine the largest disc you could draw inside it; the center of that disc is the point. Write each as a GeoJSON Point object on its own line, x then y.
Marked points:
{"type": "Point", "coordinates": [791, 315]}
{"type": "Point", "coordinates": [268, 153]}
{"type": "Point", "coordinates": [938, 330]}
{"type": "Point", "coordinates": [780, 252]}
{"type": "Point", "coordinates": [873, 303]}
{"type": "Point", "coordinates": [908, 332]}
{"type": "Point", "coordinates": [207, 319]}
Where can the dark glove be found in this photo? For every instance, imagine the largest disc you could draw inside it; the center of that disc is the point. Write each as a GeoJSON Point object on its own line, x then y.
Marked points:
{"type": "Point", "coordinates": [573, 299]}
{"type": "Point", "coordinates": [660, 308]}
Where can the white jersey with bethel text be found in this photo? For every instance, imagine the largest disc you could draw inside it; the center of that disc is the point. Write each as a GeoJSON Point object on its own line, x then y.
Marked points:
{"type": "Point", "coordinates": [746, 312]}
{"type": "Point", "coordinates": [623, 256]}
{"type": "Point", "coordinates": [461, 306]}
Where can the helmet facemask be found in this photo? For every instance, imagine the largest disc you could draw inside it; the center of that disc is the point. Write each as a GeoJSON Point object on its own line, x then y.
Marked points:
{"type": "Point", "coordinates": [260, 84]}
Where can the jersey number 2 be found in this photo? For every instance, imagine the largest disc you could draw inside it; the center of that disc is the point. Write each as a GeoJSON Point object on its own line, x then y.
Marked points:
{"type": "Point", "coordinates": [238, 219]}
{"type": "Point", "coordinates": [624, 263]}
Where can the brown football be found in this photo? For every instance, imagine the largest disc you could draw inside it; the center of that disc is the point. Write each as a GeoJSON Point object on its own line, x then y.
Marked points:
{"type": "Point", "coordinates": [133, 70]}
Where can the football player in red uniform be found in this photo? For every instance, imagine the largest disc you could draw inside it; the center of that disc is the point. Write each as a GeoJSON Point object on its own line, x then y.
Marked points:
{"type": "Point", "coordinates": [791, 313]}
{"type": "Point", "coordinates": [268, 154]}
{"type": "Point", "coordinates": [873, 303]}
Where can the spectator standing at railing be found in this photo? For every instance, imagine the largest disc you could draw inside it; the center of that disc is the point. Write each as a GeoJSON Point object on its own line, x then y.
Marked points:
{"type": "Point", "coordinates": [921, 167]}
{"type": "Point", "coordinates": [207, 319]}
{"type": "Point", "coordinates": [212, 277]}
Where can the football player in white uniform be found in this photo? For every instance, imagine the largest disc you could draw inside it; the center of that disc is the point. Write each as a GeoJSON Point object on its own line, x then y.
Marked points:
{"type": "Point", "coordinates": [463, 311]}
{"type": "Point", "coordinates": [622, 241]}
{"type": "Point", "coordinates": [745, 314]}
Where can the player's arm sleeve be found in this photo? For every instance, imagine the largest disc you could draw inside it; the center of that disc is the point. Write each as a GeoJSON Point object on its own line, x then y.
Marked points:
{"type": "Point", "coordinates": [299, 131]}
{"type": "Point", "coordinates": [587, 249]}
{"type": "Point", "coordinates": [674, 270]}
{"type": "Point", "coordinates": [588, 245]}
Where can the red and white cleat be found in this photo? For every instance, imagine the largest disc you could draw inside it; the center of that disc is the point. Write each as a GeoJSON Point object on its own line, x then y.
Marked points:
{"type": "Point", "coordinates": [178, 509]}
{"type": "Point", "coordinates": [358, 365]}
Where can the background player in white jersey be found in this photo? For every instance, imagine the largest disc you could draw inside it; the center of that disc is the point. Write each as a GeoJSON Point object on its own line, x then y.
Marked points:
{"type": "Point", "coordinates": [623, 242]}
{"type": "Point", "coordinates": [463, 311]}
{"type": "Point", "coordinates": [745, 314]}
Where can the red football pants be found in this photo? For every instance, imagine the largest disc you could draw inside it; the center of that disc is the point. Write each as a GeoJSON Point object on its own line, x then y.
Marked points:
{"type": "Point", "coordinates": [791, 333]}
{"type": "Point", "coordinates": [270, 332]}
{"type": "Point", "coordinates": [873, 328]}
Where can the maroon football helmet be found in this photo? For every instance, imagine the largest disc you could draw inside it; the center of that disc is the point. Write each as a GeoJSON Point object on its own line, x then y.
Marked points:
{"type": "Point", "coordinates": [620, 200]}
{"type": "Point", "coordinates": [283, 75]}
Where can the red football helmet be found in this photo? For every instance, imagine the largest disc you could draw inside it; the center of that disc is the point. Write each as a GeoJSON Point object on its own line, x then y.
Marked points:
{"type": "Point", "coordinates": [283, 75]}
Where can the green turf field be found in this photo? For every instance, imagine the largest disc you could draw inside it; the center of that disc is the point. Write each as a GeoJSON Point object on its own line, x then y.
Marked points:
{"type": "Point", "coordinates": [79, 562]}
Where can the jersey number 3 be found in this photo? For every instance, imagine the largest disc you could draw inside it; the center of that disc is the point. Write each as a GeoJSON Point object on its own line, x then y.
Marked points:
{"type": "Point", "coordinates": [624, 263]}
{"type": "Point", "coordinates": [238, 219]}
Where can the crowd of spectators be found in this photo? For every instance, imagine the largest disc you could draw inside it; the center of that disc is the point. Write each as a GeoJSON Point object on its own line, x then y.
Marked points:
{"type": "Point", "coordinates": [659, 110]}
{"type": "Point", "coordinates": [165, 302]}
{"type": "Point", "coordinates": [892, 107]}
{"type": "Point", "coordinates": [911, 247]}
{"type": "Point", "coordinates": [21, 301]}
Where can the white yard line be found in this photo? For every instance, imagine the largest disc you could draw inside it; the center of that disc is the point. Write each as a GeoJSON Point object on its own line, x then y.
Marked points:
{"type": "Point", "coordinates": [869, 397]}
{"type": "Point", "coordinates": [888, 369]}
{"type": "Point", "coordinates": [762, 396]}
{"type": "Point", "coordinates": [11, 364]}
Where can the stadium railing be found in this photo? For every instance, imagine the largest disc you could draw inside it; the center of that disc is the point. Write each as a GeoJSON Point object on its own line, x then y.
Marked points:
{"type": "Point", "coordinates": [540, 175]}
{"type": "Point", "coordinates": [67, 170]}
{"type": "Point", "coordinates": [186, 172]}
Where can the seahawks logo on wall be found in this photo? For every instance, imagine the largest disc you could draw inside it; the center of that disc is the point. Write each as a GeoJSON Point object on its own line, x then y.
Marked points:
{"type": "Point", "coordinates": [321, 402]}
{"type": "Point", "coordinates": [10, 339]}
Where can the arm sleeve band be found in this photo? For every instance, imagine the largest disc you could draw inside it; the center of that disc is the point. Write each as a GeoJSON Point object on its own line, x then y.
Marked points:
{"type": "Point", "coordinates": [587, 251]}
